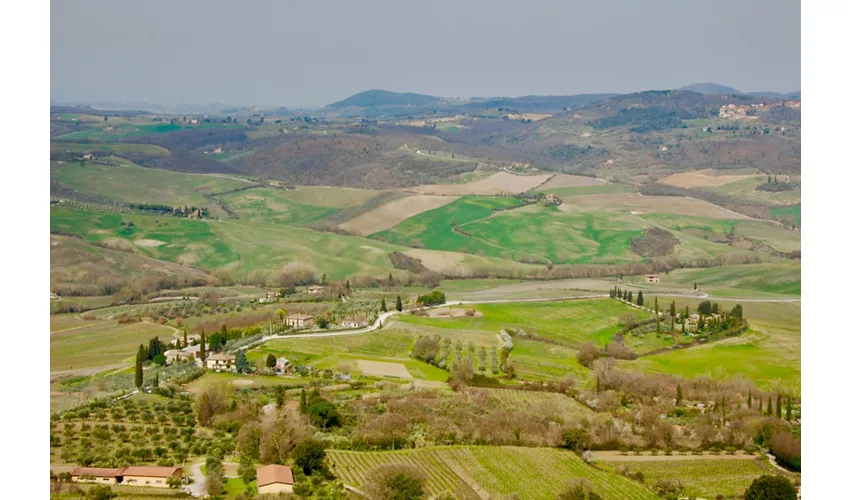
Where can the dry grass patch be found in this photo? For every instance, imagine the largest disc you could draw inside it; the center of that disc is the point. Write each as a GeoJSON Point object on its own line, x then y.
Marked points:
{"type": "Point", "coordinates": [381, 369]}
{"type": "Point", "coordinates": [568, 181]}
{"type": "Point", "coordinates": [653, 204]}
{"type": "Point", "coordinates": [702, 179]}
{"type": "Point", "coordinates": [498, 183]}
{"type": "Point", "coordinates": [394, 212]}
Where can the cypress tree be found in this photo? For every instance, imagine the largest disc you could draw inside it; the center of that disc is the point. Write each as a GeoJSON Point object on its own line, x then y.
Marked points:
{"type": "Point", "coordinates": [695, 285]}
{"type": "Point", "coordinates": [673, 308]}
{"type": "Point", "coordinates": [383, 305]}
{"type": "Point", "coordinates": [640, 298]}
{"type": "Point", "coordinates": [390, 279]}
{"type": "Point", "coordinates": [302, 404]}
{"type": "Point", "coordinates": [656, 306]}
{"type": "Point", "coordinates": [347, 285]}
{"type": "Point", "coordinates": [678, 394]}
{"type": "Point", "coordinates": [156, 380]}
{"type": "Point", "coordinates": [140, 357]}
{"type": "Point", "coordinates": [779, 406]}
{"type": "Point", "coordinates": [203, 346]}
{"type": "Point", "coordinates": [398, 305]}
{"type": "Point", "coordinates": [185, 339]}
{"type": "Point", "coordinates": [770, 406]}
{"type": "Point", "coordinates": [750, 400]}
{"type": "Point", "coordinates": [598, 384]}
{"type": "Point", "coordinates": [631, 297]}
{"type": "Point", "coordinates": [788, 408]}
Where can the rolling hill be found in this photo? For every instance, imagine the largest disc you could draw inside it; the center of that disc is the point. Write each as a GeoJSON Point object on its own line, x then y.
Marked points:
{"type": "Point", "coordinates": [710, 88]}
{"type": "Point", "coordinates": [377, 97]}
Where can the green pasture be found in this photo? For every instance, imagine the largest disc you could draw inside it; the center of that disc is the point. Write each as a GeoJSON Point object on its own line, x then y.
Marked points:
{"type": "Point", "coordinates": [745, 189]}
{"type": "Point", "coordinates": [573, 322]}
{"type": "Point", "coordinates": [769, 353]}
{"type": "Point", "coordinates": [608, 188]}
{"type": "Point", "coordinates": [274, 206]}
{"type": "Point", "coordinates": [101, 343]}
{"type": "Point", "coordinates": [115, 148]}
{"type": "Point", "coordinates": [791, 213]}
{"type": "Point", "coordinates": [775, 278]}
{"type": "Point", "coordinates": [433, 229]}
{"type": "Point", "coordinates": [133, 184]}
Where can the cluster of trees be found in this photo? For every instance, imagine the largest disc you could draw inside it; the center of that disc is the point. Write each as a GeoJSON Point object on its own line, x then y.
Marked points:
{"type": "Point", "coordinates": [436, 297]}
{"type": "Point", "coordinates": [626, 295]}
{"type": "Point", "coordinates": [160, 208]}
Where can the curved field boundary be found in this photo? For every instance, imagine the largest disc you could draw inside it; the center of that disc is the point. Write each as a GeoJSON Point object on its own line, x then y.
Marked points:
{"type": "Point", "coordinates": [391, 214]}
{"type": "Point", "coordinates": [570, 181]}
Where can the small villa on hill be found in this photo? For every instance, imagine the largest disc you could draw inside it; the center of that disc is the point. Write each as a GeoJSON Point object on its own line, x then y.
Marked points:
{"type": "Point", "coordinates": [653, 278]}
{"type": "Point", "coordinates": [273, 479]}
{"type": "Point", "coordinates": [314, 289]}
{"type": "Point", "coordinates": [298, 320]}
{"type": "Point", "coordinates": [220, 362]}
{"type": "Point", "coordinates": [173, 355]}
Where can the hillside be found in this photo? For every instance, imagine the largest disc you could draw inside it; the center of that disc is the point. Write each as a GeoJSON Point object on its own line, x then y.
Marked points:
{"type": "Point", "coordinates": [78, 267]}
{"type": "Point", "coordinates": [710, 88]}
{"type": "Point", "coordinates": [376, 97]}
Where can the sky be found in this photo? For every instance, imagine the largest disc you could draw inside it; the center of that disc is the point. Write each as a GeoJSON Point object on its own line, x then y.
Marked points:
{"type": "Point", "coordinates": [313, 52]}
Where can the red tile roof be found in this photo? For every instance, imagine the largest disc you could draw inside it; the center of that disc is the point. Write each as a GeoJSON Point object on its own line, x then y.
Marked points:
{"type": "Point", "coordinates": [271, 474]}
{"type": "Point", "coordinates": [96, 472]}
{"type": "Point", "coordinates": [151, 471]}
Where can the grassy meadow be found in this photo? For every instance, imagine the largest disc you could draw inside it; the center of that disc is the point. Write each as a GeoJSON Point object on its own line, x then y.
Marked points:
{"type": "Point", "coordinates": [98, 343]}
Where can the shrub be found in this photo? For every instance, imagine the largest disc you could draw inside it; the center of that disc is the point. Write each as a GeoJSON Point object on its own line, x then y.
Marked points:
{"type": "Point", "coordinates": [771, 488]}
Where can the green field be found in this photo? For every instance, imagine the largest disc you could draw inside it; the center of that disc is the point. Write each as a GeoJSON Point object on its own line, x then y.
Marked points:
{"type": "Point", "coordinates": [276, 206]}
{"type": "Point", "coordinates": [240, 247]}
{"type": "Point", "coordinates": [115, 148]}
{"type": "Point", "coordinates": [433, 229]}
{"type": "Point", "coordinates": [769, 353]}
{"type": "Point", "coordinates": [569, 234]}
{"type": "Point", "coordinates": [776, 278]}
{"type": "Point", "coordinates": [388, 344]}
{"type": "Point", "coordinates": [133, 184]}
{"type": "Point", "coordinates": [101, 343]}
{"type": "Point", "coordinates": [528, 473]}
{"type": "Point", "coordinates": [572, 322]}
{"type": "Point", "coordinates": [745, 189]}
{"type": "Point", "coordinates": [703, 478]}
{"type": "Point", "coordinates": [242, 381]}
{"type": "Point", "coordinates": [791, 213]}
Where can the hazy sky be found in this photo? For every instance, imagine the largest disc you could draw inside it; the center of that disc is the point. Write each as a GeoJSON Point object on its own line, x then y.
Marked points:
{"type": "Point", "coordinates": [312, 52]}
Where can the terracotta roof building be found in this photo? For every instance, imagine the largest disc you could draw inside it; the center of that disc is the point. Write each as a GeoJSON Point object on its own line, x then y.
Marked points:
{"type": "Point", "coordinates": [274, 479]}
{"type": "Point", "coordinates": [148, 475]}
{"type": "Point", "coordinates": [96, 475]}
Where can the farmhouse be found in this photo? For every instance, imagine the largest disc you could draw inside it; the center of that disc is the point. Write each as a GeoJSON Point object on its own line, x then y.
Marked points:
{"type": "Point", "coordinates": [298, 320]}
{"type": "Point", "coordinates": [271, 295]}
{"type": "Point", "coordinates": [221, 361]}
{"type": "Point", "coordinates": [282, 365]}
{"type": "Point", "coordinates": [314, 289]}
{"type": "Point", "coordinates": [178, 355]}
{"type": "Point", "coordinates": [133, 475]}
{"type": "Point", "coordinates": [352, 323]}
{"type": "Point", "coordinates": [273, 479]}
{"type": "Point", "coordinates": [146, 475]}
{"type": "Point", "coordinates": [653, 278]}
{"type": "Point", "coordinates": [782, 178]}
{"type": "Point", "coordinates": [96, 475]}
